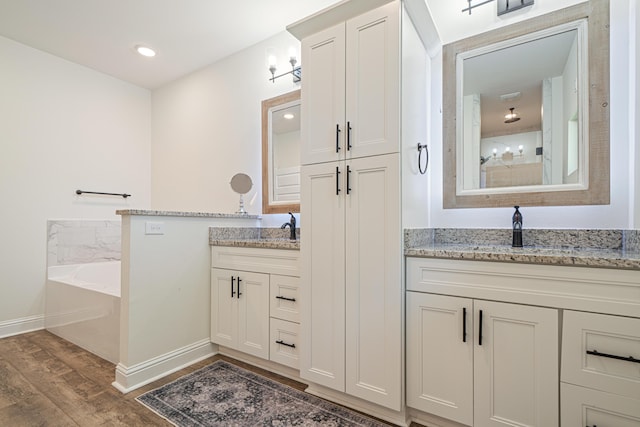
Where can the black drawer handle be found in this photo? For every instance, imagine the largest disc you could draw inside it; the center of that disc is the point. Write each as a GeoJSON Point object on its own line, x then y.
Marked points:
{"type": "Point", "coordinates": [239, 293]}
{"type": "Point", "coordinates": [464, 324]}
{"type": "Point", "coordinates": [337, 181]}
{"type": "Point", "coordinates": [613, 356]}
{"type": "Point", "coordinates": [480, 328]}
{"type": "Point", "coordinates": [286, 299]}
{"type": "Point", "coordinates": [233, 293]}
{"type": "Point", "coordinates": [348, 136]}
{"type": "Point", "coordinates": [337, 138]}
{"type": "Point", "coordinates": [284, 343]}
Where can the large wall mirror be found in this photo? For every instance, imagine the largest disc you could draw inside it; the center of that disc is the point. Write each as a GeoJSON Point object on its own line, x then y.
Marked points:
{"type": "Point", "coordinates": [526, 112]}
{"type": "Point", "coordinates": [281, 153]}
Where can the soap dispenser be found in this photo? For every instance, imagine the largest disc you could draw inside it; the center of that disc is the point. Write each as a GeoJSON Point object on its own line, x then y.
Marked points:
{"type": "Point", "coordinates": [517, 228]}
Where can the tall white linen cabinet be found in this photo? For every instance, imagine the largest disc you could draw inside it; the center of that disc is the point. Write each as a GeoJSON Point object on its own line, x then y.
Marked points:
{"type": "Point", "coordinates": [365, 89]}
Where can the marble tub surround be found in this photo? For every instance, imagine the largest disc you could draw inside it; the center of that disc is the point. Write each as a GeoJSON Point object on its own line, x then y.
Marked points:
{"type": "Point", "coordinates": [589, 248]}
{"type": "Point", "coordinates": [82, 241]}
{"type": "Point", "coordinates": [145, 212]}
{"type": "Point", "coordinates": [253, 237]}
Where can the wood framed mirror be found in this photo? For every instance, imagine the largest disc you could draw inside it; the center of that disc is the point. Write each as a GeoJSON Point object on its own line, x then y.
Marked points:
{"type": "Point", "coordinates": [526, 112]}
{"type": "Point", "coordinates": [281, 153]}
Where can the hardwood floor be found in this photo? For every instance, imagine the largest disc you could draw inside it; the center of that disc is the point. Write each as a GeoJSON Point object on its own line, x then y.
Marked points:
{"type": "Point", "coordinates": [47, 381]}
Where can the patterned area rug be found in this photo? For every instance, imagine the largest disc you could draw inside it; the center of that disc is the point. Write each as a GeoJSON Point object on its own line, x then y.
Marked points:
{"type": "Point", "coordinates": [223, 394]}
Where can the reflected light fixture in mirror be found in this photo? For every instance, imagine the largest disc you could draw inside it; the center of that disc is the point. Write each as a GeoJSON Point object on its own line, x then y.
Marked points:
{"type": "Point", "coordinates": [281, 154]}
{"type": "Point", "coordinates": [479, 76]}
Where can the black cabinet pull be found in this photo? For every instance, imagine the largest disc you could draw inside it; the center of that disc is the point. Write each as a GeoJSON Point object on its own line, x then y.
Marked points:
{"type": "Point", "coordinates": [348, 136]}
{"type": "Point", "coordinates": [286, 299]}
{"type": "Point", "coordinates": [464, 324]}
{"type": "Point", "coordinates": [613, 356]}
{"type": "Point", "coordinates": [480, 329]}
{"type": "Point", "coordinates": [348, 179]}
{"type": "Point", "coordinates": [284, 343]}
{"type": "Point", "coordinates": [233, 293]}
{"type": "Point", "coordinates": [239, 287]}
{"type": "Point", "coordinates": [337, 180]}
{"type": "Point", "coordinates": [337, 138]}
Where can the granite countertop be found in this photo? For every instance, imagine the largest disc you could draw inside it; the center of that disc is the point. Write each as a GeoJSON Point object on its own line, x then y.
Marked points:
{"type": "Point", "coordinates": [253, 237]}
{"type": "Point", "coordinates": [608, 258]}
{"type": "Point", "coordinates": [258, 243]}
{"type": "Point", "coordinates": [597, 248]}
{"type": "Point", "coordinates": [146, 212]}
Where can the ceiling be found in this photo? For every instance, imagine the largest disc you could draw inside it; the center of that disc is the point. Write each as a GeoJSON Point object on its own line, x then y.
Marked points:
{"type": "Point", "coordinates": [187, 34]}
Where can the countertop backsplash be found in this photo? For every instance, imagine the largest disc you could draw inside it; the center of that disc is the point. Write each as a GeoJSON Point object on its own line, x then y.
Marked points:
{"type": "Point", "coordinates": [625, 240]}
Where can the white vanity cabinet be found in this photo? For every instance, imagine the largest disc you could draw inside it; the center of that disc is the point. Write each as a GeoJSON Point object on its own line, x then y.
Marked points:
{"type": "Point", "coordinates": [351, 87]}
{"type": "Point", "coordinates": [513, 378]}
{"type": "Point", "coordinates": [359, 57]}
{"type": "Point", "coordinates": [254, 301]}
{"type": "Point", "coordinates": [351, 258]}
{"type": "Point", "coordinates": [482, 363]}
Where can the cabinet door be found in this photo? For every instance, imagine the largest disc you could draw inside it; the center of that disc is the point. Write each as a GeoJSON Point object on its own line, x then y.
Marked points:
{"type": "Point", "coordinates": [224, 308]}
{"type": "Point", "coordinates": [253, 313]}
{"type": "Point", "coordinates": [440, 355]}
{"type": "Point", "coordinates": [322, 275]}
{"type": "Point", "coordinates": [322, 126]}
{"type": "Point", "coordinates": [515, 365]}
{"type": "Point", "coordinates": [373, 82]}
{"type": "Point", "coordinates": [373, 280]}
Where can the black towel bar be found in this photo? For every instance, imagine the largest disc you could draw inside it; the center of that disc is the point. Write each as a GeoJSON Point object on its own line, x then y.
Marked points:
{"type": "Point", "coordinates": [123, 195]}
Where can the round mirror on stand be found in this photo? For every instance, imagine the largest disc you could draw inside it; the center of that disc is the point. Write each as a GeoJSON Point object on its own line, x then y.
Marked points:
{"type": "Point", "coordinates": [241, 183]}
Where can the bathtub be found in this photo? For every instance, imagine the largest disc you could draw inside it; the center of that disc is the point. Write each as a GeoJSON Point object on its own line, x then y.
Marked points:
{"type": "Point", "coordinates": [82, 305]}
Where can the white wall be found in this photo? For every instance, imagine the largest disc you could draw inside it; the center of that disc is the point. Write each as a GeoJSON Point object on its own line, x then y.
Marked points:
{"type": "Point", "coordinates": [620, 213]}
{"type": "Point", "coordinates": [64, 127]}
{"type": "Point", "coordinates": [634, 116]}
{"type": "Point", "coordinates": [207, 127]}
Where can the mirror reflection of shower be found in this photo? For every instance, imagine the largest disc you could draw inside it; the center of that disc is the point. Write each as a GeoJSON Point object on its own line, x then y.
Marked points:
{"type": "Point", "coordinates": [241, 183]}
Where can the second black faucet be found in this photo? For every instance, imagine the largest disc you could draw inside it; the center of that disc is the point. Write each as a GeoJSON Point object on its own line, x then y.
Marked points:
{"type": "Point", "coordinates": [292, 226]}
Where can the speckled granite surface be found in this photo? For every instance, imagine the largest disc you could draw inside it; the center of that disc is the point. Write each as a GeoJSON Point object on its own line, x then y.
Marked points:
{"type": "Point", "coordinates": [185, 214]}
{"type": "Point", "coordinates": [588, 248]}
{"type": "Point", "coordinates": [253, 237]}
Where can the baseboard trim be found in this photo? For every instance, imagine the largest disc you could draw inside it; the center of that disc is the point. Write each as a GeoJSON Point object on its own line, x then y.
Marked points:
{"type": "Point", "coordinates": [129, 378]}
{"type": "Point", "coordinates": [430, 420]}
{"type": "Point", "coordinates": [396, 417]}
{"type": "Point", "coordinates": [21, 325]}
{"type": "Point", "coordinates": [267, 365]}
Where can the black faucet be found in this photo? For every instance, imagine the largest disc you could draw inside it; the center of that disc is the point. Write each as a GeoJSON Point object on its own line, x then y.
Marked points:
{"type": "Point", "coordinates": [292, 226]}
{"type": "Point", "coordinates": [516, 221]}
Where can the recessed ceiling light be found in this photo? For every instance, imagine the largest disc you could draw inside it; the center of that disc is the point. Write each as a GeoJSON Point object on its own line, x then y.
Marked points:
{"type": "Point", "coordinates": [288, 116]}
{"type": "Point", "coordinates": [145, 51]}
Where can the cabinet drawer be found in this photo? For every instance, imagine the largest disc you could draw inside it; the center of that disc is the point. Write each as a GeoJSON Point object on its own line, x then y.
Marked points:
{"type": "Point", "coordinates": [285, 298]}
{"type": "Point", "coordinates": [585, 407]}
{"type": "Point", "coordinates": [615, 339]}
{"type": "Point", "coordinates": [259, 260]}
{"type": "Point", "coordinates": [284, 344]}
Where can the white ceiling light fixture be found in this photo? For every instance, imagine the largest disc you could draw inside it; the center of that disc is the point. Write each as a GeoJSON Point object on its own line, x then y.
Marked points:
{"type": "Point", "coordinates": [288, 116]}
{"type": "Point", "coordinates": [145, 51]}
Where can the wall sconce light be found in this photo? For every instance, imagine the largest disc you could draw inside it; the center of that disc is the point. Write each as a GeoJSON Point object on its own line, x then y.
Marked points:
{"type": "Point", "coordinates": [511, 117]}
{"type": "Point", "coordinates": [296, 72]}
{"type": "Point", "coordinates": [495, 152]}
{"type": "Point", "coordinates": [504, 6]}
{"type": "Point", "coordinates": [520, 149]}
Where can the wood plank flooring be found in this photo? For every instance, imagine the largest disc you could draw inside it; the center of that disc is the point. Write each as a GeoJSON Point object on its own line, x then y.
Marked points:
{"type": "Point", "coordinates": [47, 381]}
